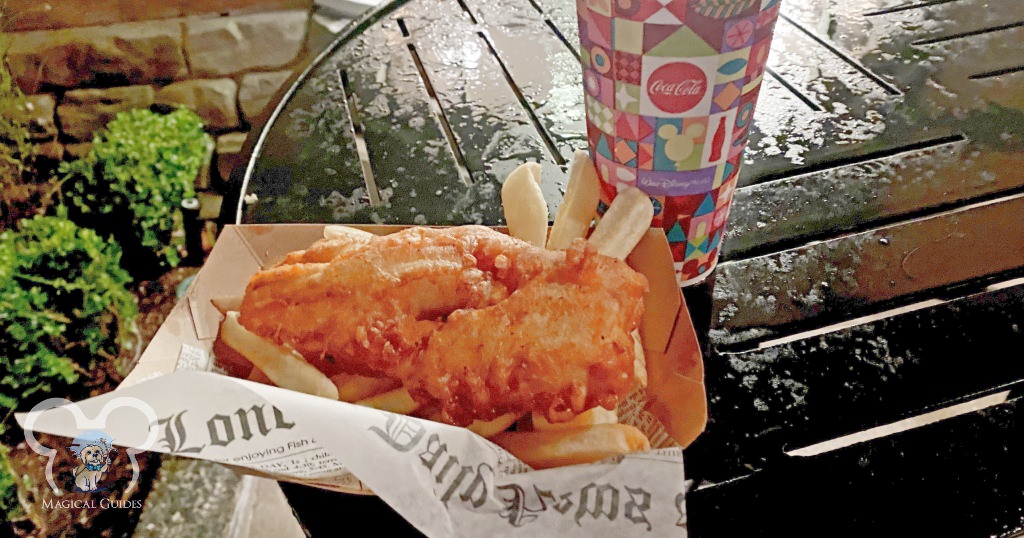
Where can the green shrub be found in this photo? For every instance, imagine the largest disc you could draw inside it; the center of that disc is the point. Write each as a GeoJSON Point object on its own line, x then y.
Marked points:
{"type": "Point", "coordinates": [10, 509]}
{"type": "Point", "coordinates": [64, 306]}
{"type": "Point", "coordinates": [143, 164]}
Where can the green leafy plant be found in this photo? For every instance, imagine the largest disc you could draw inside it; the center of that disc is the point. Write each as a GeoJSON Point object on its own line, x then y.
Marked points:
{"type": "Point", "coordinates": [10, 508]}
{"type": "Point", "coordinates": [64, 306]}
{"type": "Point", "coordinates": [143, 164]}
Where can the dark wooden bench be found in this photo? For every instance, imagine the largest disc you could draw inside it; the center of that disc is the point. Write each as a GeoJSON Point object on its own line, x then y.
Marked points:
{"type": "Point", "coordinates": [874, 271]}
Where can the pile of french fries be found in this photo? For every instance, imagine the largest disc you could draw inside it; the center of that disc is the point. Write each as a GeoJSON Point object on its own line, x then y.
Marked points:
{"type": "Point", "coordinates": [593, 435]}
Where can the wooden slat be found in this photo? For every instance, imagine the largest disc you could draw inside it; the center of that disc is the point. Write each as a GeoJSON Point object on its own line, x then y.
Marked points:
{"type": "Point", "coordinates": [838, 118]}
{"type": "Point", "coordinates": [832, 81]}
{"type": "Point", "coordinates": [546, 72]}
{"type": "Point", "coordinates": [309, 154]}
{"type": "Point", "coordinates": [839, 278]}
{"type": "Point", "coordinates": [562, 15]}
{"type": "Point", "coordinates": [860, 27]}
{"type": "Point", "coordinates": [942, 20]}
{"type": "Point", "coordinates": [488, 121]}
{"type": "Point", "coordinates": [956, 87]}
{"type": "Point", "coordinates": [780, 111]}
{"type": "Point", "coordinates": [413, 165]}
{"type": "Point", "coordinates": [792, 395]}
{"type": "Point", "coordinates": [934, 52]}
{"type": "Point", "coordinates": [958, 477]}
{"type": "Point", "coordinates": [895, 45]}
{"type": "Point", "coordinates": [824, 204]}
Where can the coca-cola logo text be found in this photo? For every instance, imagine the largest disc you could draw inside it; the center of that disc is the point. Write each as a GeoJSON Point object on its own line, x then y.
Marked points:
{"type": "Point", "coordinates": [686, 87]}
{"type": "Point", "coordinates": [677, 87]}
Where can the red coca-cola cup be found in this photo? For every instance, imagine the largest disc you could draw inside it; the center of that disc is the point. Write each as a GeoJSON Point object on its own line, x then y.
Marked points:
{"type": "Point", "coordinates": [670, 89]}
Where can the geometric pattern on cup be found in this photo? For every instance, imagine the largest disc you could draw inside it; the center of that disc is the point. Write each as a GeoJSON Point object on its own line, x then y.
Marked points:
{"type": "Point", "coordinates": [671, 87]}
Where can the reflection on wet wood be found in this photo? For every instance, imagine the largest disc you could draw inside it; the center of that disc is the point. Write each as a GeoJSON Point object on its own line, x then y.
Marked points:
{"type": "Point", "coordinates": [765, 401]}
{"type": "Point", "coordinates": [790, 212]}
{"type": "Point", "coordinates": [958, 477]}
{"type": "Point", "coordinates": [895, 51]}
{"type": "Point", "coordinates": [562, 15]}
{"type": "Point", "coordinates": [413, 165]}
{"type": "Point", "coordinates": [841, 277]}
{"type": "Point", "coordinates": [833, 82]}
{"type": "Point", "coordinates": [978, 57]}
{"type": "Point", "coordinates": [310, 157]}
{"type": "Point", "coordinates": [554, 92]}
{"type": "Point", "coordinates": [952, 40]}
{"type": "Point", "coordinates": [488, 120]}
{"type": "Point", "coordinates": [869, 26]}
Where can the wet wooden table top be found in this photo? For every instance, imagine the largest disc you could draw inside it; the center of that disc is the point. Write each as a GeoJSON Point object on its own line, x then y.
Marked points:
{"type": "Point", "coordinates": [874, 268]}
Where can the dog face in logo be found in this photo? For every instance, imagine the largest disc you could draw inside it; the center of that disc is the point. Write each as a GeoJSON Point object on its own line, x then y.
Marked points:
{"type": "Point", "coordinates": [93, 453]}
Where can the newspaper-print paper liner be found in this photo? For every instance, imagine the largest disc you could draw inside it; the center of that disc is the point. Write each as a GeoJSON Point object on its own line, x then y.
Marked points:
{"type": "Point", "coordinates": [443, 479]}
{"type": "Point", "coordinates": [670, 89]}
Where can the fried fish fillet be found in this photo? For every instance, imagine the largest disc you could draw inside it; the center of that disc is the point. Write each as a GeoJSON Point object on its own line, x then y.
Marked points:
{"type": "Point", "coordinates": [474, 323]}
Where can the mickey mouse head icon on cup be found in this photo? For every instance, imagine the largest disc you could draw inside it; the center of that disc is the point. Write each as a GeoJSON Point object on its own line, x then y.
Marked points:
{"type": "Point", "coordinates": [680, 145]}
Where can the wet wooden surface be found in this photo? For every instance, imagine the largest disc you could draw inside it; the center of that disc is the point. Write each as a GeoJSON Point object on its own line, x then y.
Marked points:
{"type": "Point", "coordinates": [874, 268]}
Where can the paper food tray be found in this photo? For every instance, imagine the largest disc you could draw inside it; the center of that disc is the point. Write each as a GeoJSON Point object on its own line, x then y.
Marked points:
{"type": "Point", "coordinates": [445, 480]}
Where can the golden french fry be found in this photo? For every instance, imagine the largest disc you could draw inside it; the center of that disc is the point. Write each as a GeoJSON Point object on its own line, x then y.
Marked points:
{"type": "Point", "coordinates": [227, 303]}
{"type": "Point", "coordinates": [639, 360]}
{"type": "Point", "coordinates": [396, 401]}
{"type": "Point", "coordinates": [282, 365]}
{"type": "Point", "coordinates": [258, 376]}
{"type": "Point", "coordinates": [625, 222]}
{"type": "Point", "coordinates": [490, 428]}
{"type": "Point", "coordinates": [554, 448]}
{"type": "Point", "coordinates": [526, 212]}
{"type": "Point", "coordinates": [590, 417]}
{"type": "Point", "coordinates": [352, 388]}
{"type": "Point", "coordinates": [232, 362]}
{"type": "Point", "coordinates": [534, 169]}
{"type": "Point", "coordinates": [579, 205]}
{"type": "Point", "coordinates": [335, 231]}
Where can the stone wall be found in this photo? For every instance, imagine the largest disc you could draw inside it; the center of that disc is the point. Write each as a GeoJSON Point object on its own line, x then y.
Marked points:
{"type": "Point", "coordinates": [224, 60]}
{"type": "Point", "coordinates": [55, 14]}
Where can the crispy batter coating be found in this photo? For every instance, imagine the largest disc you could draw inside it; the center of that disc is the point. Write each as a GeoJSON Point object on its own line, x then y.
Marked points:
{"type": "Point", "coordinates": [473, 322]}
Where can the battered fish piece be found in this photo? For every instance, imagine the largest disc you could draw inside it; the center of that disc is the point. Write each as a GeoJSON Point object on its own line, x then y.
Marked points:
{"type": "Point", "coordinates": [472, 322]}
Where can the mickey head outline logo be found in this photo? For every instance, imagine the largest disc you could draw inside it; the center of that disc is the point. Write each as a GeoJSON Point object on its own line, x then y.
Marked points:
{"type": "Point", "coordinates": [680, 145]}
{"type": "Point", "coordinates": [99, 423]}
